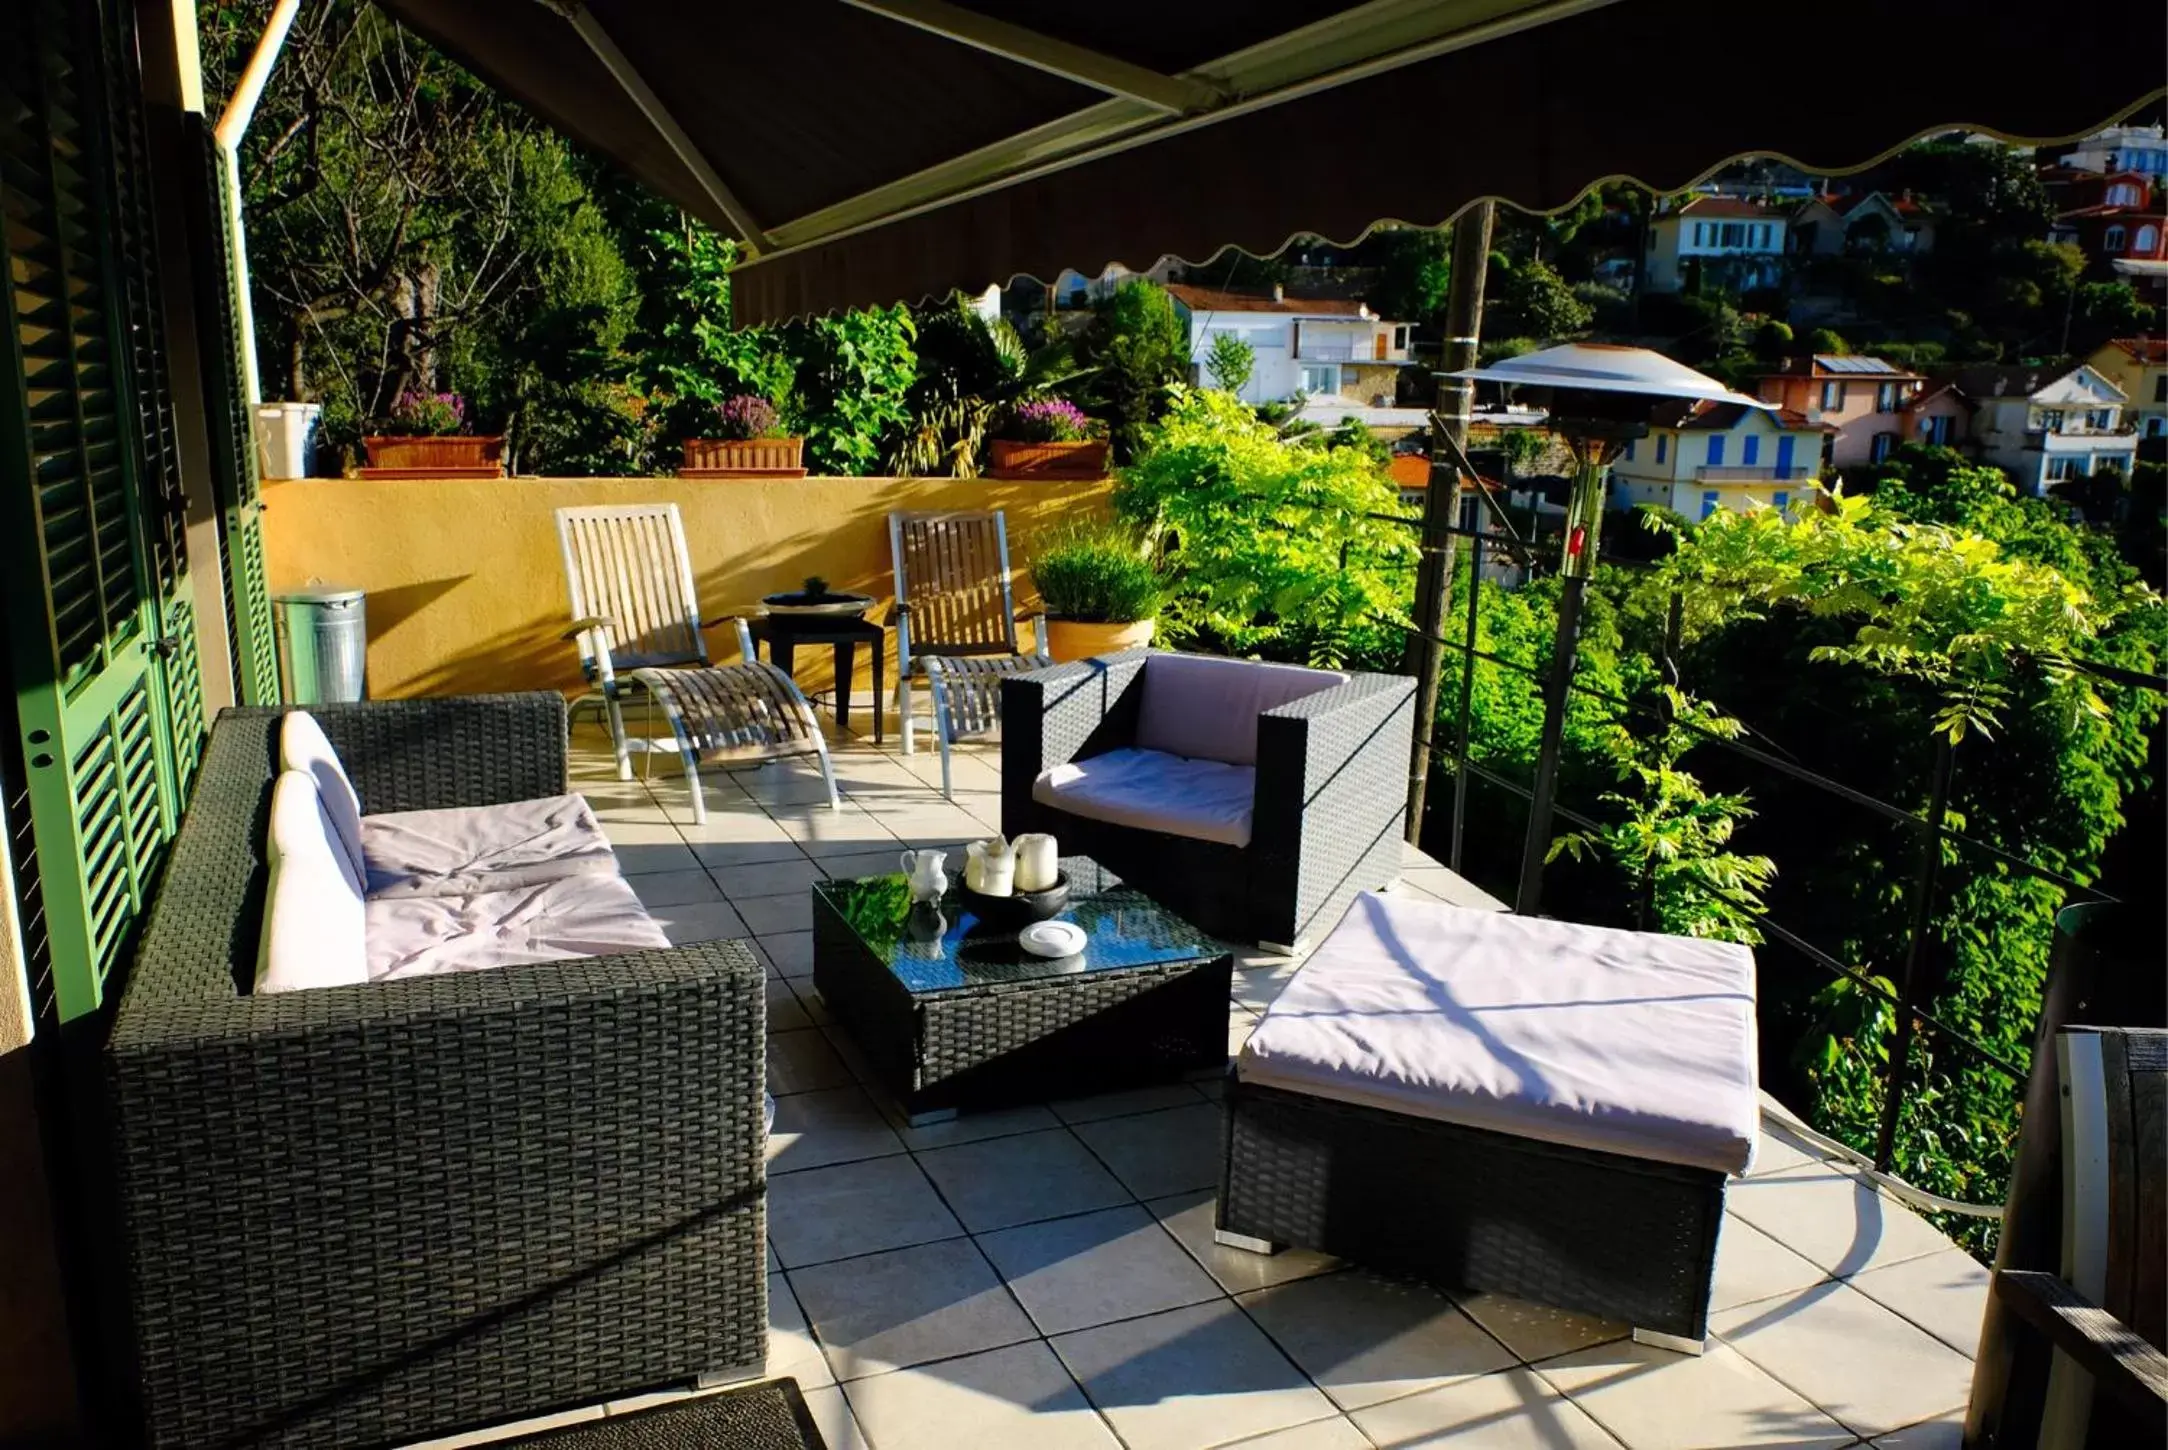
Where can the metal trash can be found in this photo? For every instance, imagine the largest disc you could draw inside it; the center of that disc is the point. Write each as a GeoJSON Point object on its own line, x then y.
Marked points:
{"type": "Point", "coordinates": [323, 644]}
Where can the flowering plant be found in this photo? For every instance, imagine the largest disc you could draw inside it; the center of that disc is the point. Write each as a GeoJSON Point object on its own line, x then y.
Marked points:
{"type": "Point", "coordinates": [1048, 420]}
{"type": "Point", "coordinates": [746, 416]}
{"type": "Point", "coordinates": [419, 414]}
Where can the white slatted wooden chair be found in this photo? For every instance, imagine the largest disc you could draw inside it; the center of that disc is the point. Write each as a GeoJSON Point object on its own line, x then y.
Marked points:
{"type": "Point", "coordinates": [637, 622]}
{"type": "Point", "coordinates": [955, 601]}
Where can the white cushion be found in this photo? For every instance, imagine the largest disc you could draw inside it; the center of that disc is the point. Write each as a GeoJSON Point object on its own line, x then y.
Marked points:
{"type": "Point", "coordinates": [313, 931]}
{"type": "Point", "coordinates": [304, 746]}
{"type": "Point", "coordinates": [1206, 707]}
{"type": "Point", "coordinates": [465, 849]}
{"type": "Point", "coordinates": [1202, 800]}
{"type": "Point", "coordinates": [587, 915]}
{"type": "Point", "coordinates": [1625, 1042]}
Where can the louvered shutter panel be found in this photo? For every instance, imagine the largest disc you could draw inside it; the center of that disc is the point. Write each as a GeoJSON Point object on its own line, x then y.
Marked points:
{"type": "Point", "coordinates": [84, 598]}
{"type": "Point", "coordinates": [233, 440]}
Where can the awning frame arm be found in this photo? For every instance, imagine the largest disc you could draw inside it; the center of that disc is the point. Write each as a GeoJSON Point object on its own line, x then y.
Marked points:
{"type": "Point", "coordinates": [1169, 95]}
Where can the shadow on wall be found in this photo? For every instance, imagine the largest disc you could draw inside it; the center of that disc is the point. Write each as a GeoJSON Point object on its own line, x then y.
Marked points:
{"type": "Point", "coordinates": [530, 657]}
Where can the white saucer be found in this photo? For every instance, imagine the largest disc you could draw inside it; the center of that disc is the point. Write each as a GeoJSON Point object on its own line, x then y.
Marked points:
{"type": "Point", "coordinates": [1052, 939]}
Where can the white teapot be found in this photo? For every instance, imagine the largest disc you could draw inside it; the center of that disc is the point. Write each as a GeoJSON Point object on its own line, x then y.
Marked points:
{"type": "Point", "coordinates": [927, 872]}
{"type": "Point", "coordinates": [990, 867]}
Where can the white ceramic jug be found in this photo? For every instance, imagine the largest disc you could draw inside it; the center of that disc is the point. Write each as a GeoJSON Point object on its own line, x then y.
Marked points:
{"type": "Point", "coordinates": [927, 871]}
{"type": "Point", "coordinates": [990, 867]}
{"type": "Point", "coordinates": [1038, 862]}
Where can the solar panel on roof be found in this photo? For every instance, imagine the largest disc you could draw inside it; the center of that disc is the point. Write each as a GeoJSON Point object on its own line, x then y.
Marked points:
{"type": "Point", "coordinates": [1836, 363]}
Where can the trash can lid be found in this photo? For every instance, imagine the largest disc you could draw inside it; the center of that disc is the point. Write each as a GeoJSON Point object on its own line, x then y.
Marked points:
{"type": "Point", "coordinates": [318, 594]}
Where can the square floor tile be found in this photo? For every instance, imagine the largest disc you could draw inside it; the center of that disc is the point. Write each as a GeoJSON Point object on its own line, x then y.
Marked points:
{"type": "Point", "coordinates": [832, 1416]}
{"type": "Point", "coordinates": [790, 951]}
{"type": "Point", "coordinates": [1337, 1433]}
{"type": "Point", "coordinates": [1155, 1154]}
{"type": "Point", "coordinates": [768, 878]}
{"type": "Point", "coordinates": [907, 1306]}
{"type": "Point", "coordinates": [1750, 1265]}
{"type": "Point", "coordinates": [1944, 1432]}
{"type": "Point", "coordinates": [854, 1208]}
{"type": "Point", "coordinates": [853, 864]}
{"type": "Point", "coordinates": [702, 921]}
{"type": "Point", "coordinates": [1204, 1375]}
{"type": "Point", "coordinates": [774, 915]}
{"type": "Point", "coordinates": [1779, 1152]}
{"type": "Point", "coordinates": [1537, 1331]}
{"type": "Point", "coordinates": [1073, 1273]}
{"type": "Point", "coordinates": [1833, 1219]}
{"type": "Point", "coordinates": [1652, 1399]}
{"type": "Point", "coordinates": [1002, 1399]}
{"type": "Point", "coordinates": [1365, 1338]}
{"type": "Point", "coordinates": [791, 1350]}
{"type": "Point", "coordinates": [803, 1062]}
{"type": "Point", "coordinates": [822, 832]}
{"type": "Point", "coordinates": [674, 888]}
{"type": "Point", "coordinates": [1122, 1104]}
{"type": "Point", "coordinates": [1005, 1181]}
{"type": "Point", "coordinates": [1944, 1294]}
{"type": "Point", "coordinates": [647, 847]}
{"type": "Point", "coordinates": [721, 857]}
{"type": "Point", "coordinates": [1188, 1216]}
{"type": "Point", "coordinates": [785, 1012]}
{"type": "Point", "coordinates": [1871, 1370]}
{"type": "Point", "coordinates": [1513, 1410]}
{"type": "Point", "coordinates": [834, 1125]}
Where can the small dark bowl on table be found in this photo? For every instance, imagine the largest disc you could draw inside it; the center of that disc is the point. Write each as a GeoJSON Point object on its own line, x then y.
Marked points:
{"type": "Point", "coordinates": [1012, 913]}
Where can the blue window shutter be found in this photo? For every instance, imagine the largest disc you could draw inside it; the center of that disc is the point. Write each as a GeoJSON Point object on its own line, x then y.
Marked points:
{"type": "Point", "coordinates": [1708, 503]}
{"type": "Point", "coordinates": [1716, 450]}
{"type": "Point", "coordinates": [1750, 450]}
{"type": "Point", "coordinates": [1784, 456]}
{"type": "Point", "coordinates": [1779, 499]}
{"type": "Point", "coordinates": [1629, 450]}
{"type": "Point", "coordinates": [1662, 442]}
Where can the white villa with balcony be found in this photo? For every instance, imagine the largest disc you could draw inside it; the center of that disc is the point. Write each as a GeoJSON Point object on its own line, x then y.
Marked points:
{"type": "Point", "coordinates": [1724, 241]}
{"type": "Point", "coordinates": [1701, 456]}
{"type": "Point", "coordinates": [1314, 346]}
{"type": "Point", "coordinates": [2047, 425]}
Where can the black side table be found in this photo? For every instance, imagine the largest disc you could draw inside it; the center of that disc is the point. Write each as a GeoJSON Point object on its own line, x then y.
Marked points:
{"type": "Point", "coordinates": [783, 633]}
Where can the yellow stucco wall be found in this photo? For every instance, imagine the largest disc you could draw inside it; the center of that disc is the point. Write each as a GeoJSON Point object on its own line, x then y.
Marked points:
{"type": "Point", "coordinates": [466, 592]}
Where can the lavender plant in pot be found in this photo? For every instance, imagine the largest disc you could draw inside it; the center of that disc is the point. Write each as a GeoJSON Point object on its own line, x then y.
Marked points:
{"type": "Point", "coordinates": [749, 442]}
{"type": "Point", "coordinates": [1101, 588]}
{"type": "Point", "coordinates": [424, 435]}
{"type": "Point", "coordinates": [1048, 438]}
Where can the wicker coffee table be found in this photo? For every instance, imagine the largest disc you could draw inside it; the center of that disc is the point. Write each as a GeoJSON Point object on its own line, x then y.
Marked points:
{"type": "Point", "coordinates": [954, 1015]}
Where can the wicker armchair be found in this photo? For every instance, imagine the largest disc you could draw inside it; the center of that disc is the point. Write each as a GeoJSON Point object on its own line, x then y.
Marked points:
{"type": "Point", "coordinates": [363, 1215]}
{"type": "Point", "coordinates": [1330, 797]}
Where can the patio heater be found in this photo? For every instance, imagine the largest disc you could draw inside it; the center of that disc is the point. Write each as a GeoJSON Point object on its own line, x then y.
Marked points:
{"type": "Point", "coordinates": [1599, 396]}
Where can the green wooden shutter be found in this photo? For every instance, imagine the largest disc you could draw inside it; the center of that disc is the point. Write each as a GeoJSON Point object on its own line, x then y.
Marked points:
{"type": "Point", "coordinates": [86, 601]}
{"type": "Point", "coordinates": [233, 438]}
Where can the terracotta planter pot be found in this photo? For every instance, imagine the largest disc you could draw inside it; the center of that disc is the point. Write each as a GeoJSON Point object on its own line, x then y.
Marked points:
{"type": "Point", "coordinates": [1008, 459]}
{"type": "Point", "coordinates": [743, 458]}
{"type": "Point", "coordinates": [1068, 640]}
{"type": "Point", "coordinates": [454, 456]}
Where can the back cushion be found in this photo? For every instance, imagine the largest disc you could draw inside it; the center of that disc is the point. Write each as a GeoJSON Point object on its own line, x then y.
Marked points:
{"type": "Point", "coordinates": [1206, 707]}
{"type": "Point", "coordinates": [303, 746]}
{"type": "Point", "coordinates": [312, 914]}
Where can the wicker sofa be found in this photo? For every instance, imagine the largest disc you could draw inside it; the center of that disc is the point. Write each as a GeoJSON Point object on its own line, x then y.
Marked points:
{"type": "Point", "coordinates": [367, 1214]}
{"type": "Point", "coordinates": [1324, 821]}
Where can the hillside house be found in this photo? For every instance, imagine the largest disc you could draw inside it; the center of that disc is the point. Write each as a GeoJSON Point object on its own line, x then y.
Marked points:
{"type": "Point", "coordinates": [2139, 366]}
{"type": "Point", "coordinates": [1862, 399]}
{"type": "Point", "coordinates": [2044, 425]}
{"type": "Point", "coordinates": [1720, 241]}
{"type": "Point", "coordinates": [1831, 225]}
{"type": "Point", "coordinates": [1318, 346]}
{"type": "Point", "coordinates": [1701, 456]}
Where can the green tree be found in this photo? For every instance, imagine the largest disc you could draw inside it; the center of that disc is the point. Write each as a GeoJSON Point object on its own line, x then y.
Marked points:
{"type": "Point", "coordinates": [851, 386]}
{"type": "Point", "coordinates": [1414, 272]}
{"type": "Point", "coordinates": [1135, 350]}
{"type": "Point", "coordinates": [1534, 301]}
{"type": "Point", "coordinates": [1229, 362]}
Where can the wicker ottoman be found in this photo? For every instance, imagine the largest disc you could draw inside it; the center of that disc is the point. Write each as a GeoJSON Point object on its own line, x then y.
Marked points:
{"type": "Point", "coordinates": [1501, 1103]}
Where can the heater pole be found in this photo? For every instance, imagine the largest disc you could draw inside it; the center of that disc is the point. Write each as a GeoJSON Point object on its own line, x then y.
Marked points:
{"type": "Point", "coordinates": [1441, 501]}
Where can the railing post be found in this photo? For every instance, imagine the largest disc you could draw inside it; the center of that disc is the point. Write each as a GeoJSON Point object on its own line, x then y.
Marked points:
{"type": "Point", "coordinates": [1467, 700]}
{"type": "Point", "coordinates": [1564, 648]}
{"type": "Point", "coordinates": [1441, 505]}
{"type": "Point", "coordinates": [1913, 987]}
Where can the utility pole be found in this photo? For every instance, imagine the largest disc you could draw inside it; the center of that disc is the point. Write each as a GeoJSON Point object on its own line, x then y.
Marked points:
{"type": "Point", "coordinates": [1441, 501]}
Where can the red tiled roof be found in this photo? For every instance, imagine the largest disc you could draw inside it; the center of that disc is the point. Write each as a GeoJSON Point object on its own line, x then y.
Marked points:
{"type": "Point", "coordinates": [1731, 206]}
{"type": "Point", "coordinates": [1702, 415]}
{"type": "Point", "coordinates": [1214, 299]}
{"type": "Point", "coordinates": [2152, 351]}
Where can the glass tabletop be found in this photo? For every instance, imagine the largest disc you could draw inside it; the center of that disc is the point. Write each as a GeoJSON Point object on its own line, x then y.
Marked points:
{"type": "Point", "coordinates": [945, 948]}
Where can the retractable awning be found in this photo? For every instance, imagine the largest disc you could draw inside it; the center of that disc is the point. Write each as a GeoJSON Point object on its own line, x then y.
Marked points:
{"type": "Point", "coordinates": [871, 151]}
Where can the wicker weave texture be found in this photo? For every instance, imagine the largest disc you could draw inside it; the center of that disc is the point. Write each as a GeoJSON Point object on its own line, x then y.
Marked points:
{"type": "Point", "coordinates": [1328, 817]}
{"type": "Point", "coordinates": [365, 1214]}
{"type": "Point", "coordinates": [1466, 1208]}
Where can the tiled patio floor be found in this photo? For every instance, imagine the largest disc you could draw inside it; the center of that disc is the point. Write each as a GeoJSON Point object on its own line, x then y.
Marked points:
{"type": "Point", "coordinates": [1045, 1278]}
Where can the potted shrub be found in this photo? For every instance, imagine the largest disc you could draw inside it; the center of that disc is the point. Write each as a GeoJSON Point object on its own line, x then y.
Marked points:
{"type": "Point", "coordinates": [749, 442]}
{"type": "Point", "coordinates": [1100, 588]}
{"type": "Point", "coordinates": [1048, 438]}
{"type": "Point", "coordinates": [424, 436]}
